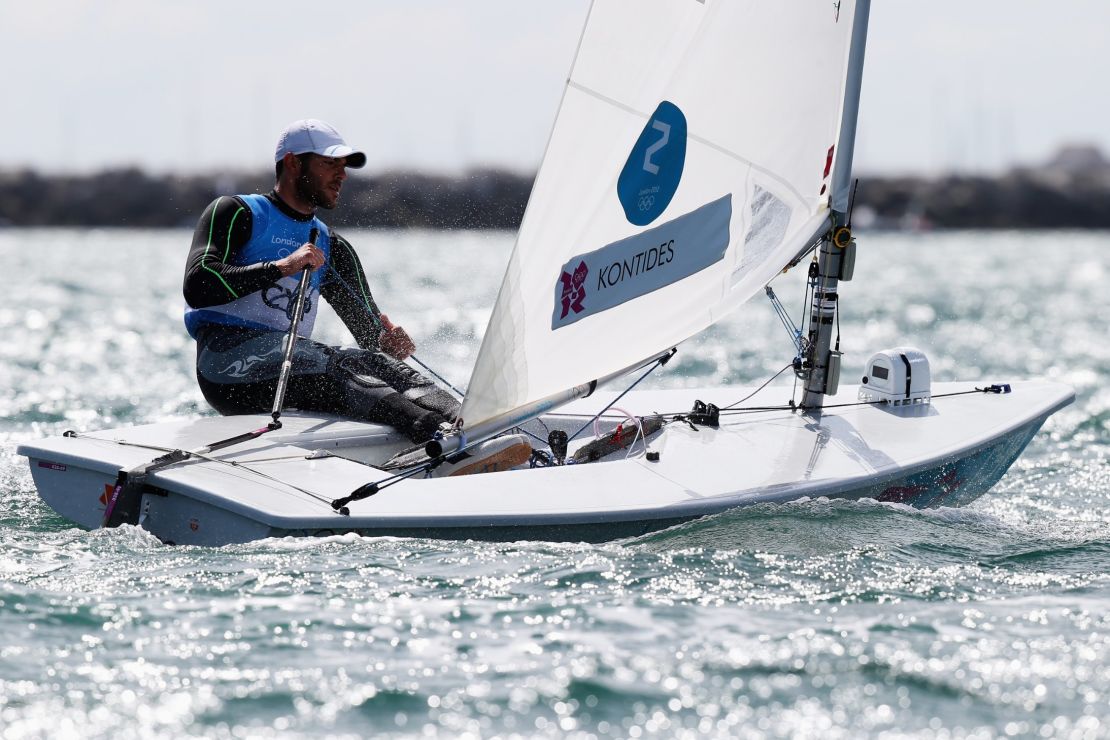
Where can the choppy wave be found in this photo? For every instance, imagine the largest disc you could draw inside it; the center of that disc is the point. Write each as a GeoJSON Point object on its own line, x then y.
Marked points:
{"type": "Point", "coordinates": [817, 618]}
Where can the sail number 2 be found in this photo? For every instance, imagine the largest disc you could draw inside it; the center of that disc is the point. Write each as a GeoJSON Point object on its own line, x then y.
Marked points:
{"type": "Point", "coordinates": [653, 170]}
{"type": "Point", "coordinates": [647, 200]}
{"type": "Point", "coordinates": [665, 129]}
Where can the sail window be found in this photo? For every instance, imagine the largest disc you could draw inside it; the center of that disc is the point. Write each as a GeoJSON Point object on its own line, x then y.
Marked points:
{"type": "Point", "coordinates": [770, 219]}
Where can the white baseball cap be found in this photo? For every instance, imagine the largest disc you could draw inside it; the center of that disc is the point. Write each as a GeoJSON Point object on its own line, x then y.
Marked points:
{"type": "Point", "coordinates": [317, 137]}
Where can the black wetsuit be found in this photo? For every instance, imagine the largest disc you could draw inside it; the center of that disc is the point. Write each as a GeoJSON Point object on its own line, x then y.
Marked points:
{"type": "Point", "coordinates": [238, 366]}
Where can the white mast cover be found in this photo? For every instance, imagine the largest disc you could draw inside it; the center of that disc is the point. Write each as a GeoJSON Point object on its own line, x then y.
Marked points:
{"type": "Point", "coordinates": [689, 162]}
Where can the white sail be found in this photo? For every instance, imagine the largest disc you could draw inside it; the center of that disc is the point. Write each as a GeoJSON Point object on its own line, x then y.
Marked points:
{"type": "Point", "coordinates": [694, 155]}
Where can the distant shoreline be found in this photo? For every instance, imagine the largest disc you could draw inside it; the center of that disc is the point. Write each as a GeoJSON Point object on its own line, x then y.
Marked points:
{"type": "Point", "coordinates": [132, 198]}
{"type": "Point", "coordinates": [1059, 195]}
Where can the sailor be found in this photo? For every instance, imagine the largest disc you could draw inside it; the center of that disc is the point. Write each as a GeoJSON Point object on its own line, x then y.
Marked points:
{"type": "Point", "coordinates": [241, 277]}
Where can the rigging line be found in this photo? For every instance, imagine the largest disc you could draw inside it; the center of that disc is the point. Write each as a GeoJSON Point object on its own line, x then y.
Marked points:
{"type": "Point", "coordinates": [657, 364]}
{"type": "Point", "coordinates": [375, 487]}
{"type": "Point", "coordinates": [383, 483]}
{"type": "Point", "coordinates": [125, 443]}
{"type": "Point", "coordinates": [369, 306]}
{"type": "Point", "coordinates": [536, 437]}
{"type": "Point", "coordinates": [269, 477]}
{"type": "Point", "coordinates": [522, 430]}
{"type": "Point", "coordinates": [602, 415]}
{"type": "Point", "coordinates": [437, 376]}
{"type": "Point", "coordinates": [319, 455]}
{"type": "Point", "coordinates": [682, 416]}
{"type": "Point", "coordinates": [208, 458]}
{"type": "Point", "coordinates": [883, 402]}
{"type": "Point", "coordinates": [765, 409]}
{"type": "Point", "coordinates": [425, 466]}
{"type": "Point", "coordinates": [381, 327]}
{"type": "Point", "coordinates": [542, 424]}
{"type": "Point", "coordinates": [754, 409]}
{"type": "Point", "coordinates": [784, 318]}
{"type": "Point", "coordinates": [728, 408]}
{"type": "Point", "coordinates": [757, 390]}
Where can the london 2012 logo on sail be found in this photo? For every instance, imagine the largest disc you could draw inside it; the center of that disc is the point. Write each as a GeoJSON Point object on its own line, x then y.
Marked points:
{"type": "Point", "coordinates": [574, 289]}
{"type": "Point", "coordinates": [650, 176]}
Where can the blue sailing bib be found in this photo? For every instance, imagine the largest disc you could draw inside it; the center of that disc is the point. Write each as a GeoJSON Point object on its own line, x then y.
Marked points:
{"type": "Point", "coordinates": [273, 236]}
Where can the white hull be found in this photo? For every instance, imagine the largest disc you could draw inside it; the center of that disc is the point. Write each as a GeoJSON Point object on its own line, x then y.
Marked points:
{"type": "Point", "coordinates": [947, 453]}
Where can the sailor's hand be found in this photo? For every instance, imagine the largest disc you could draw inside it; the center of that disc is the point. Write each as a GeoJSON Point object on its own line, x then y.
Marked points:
{"type": "Point", "coordinates": [307, 255]}
{"type": "Point", "coordinates": [394, 340]}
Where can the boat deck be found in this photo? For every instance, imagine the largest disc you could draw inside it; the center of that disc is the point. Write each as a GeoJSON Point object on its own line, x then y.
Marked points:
{"type": "Point", "coordinates": [267, 486]}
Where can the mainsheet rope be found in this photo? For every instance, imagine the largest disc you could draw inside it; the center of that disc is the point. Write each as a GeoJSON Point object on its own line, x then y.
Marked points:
{"type": "Point", "coordinates": [366, 303]}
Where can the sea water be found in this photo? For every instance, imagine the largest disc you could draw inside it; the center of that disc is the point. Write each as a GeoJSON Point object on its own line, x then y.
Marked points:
{"type": "Point", "coordinates": [812, 619]}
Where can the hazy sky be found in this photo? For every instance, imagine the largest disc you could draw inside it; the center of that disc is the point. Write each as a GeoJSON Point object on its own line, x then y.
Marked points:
{"type": "Point", "coordinates": [445, 84]}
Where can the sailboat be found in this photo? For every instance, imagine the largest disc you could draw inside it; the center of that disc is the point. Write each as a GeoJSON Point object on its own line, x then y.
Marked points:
{"type": "Point", "coordinates": [701, 147]}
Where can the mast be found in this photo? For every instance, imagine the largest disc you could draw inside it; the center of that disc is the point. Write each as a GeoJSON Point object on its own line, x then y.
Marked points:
{"type": "Point", "coordinates": [836, 256]}
{"type": "Point", "coordinates": [822, 362]}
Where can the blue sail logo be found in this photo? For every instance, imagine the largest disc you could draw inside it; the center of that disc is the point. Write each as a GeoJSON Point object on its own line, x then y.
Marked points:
{"type": "Point", "coordinates": [654, 168]}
